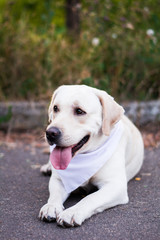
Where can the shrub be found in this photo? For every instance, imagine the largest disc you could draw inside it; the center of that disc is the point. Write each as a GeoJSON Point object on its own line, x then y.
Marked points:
{"type": "Point", "coordinates": [117, 49]}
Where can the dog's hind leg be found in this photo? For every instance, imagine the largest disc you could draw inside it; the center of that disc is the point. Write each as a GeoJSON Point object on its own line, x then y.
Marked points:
{"type": "Point", "coordinates": [46, 169]}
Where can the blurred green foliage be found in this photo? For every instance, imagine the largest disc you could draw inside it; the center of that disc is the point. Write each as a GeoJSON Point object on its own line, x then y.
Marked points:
{"type": "Point", "coordinates": [7, 117]}
{"type": "Point", "coordinates": [118, 48]}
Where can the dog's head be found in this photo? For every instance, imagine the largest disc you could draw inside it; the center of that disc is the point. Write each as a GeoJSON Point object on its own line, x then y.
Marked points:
{"type": "Point", "coordinates": [79, 116]}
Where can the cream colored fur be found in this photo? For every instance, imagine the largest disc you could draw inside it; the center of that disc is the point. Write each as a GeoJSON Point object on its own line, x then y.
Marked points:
{"type": "Point", "coordinates": [102, 112]}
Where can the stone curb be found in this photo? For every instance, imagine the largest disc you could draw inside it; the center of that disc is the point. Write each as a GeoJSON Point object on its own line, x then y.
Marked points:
{"type": "Point", "coordinates": [24, 115]}
{"type": "Point", "coordinates": [32, 115]}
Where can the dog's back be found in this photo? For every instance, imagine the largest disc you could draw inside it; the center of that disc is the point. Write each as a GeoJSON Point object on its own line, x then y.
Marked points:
{"type": "Point", "coordinates": [134, 148]}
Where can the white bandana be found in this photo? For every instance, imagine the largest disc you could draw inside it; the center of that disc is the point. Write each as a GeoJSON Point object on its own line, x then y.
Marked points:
{"type": "Point", "coordinates": [83, 166]}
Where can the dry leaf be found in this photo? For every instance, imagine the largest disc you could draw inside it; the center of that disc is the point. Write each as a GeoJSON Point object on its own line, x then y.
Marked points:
{"type": "Point", "coordinates": [138, 179]}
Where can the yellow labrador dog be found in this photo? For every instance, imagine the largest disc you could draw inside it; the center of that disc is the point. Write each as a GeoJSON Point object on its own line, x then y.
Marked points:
{"type": "Point", "coordinates": [91, 142]}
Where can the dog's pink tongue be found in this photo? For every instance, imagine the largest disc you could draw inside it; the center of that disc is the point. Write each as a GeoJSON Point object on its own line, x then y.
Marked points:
{"type": "Point", "coordinates": [61, 157]}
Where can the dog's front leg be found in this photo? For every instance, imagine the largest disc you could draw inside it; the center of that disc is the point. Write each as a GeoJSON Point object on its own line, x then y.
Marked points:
{"type": "Point", "coordinates": [110, 195]}
{"type": "Point", "coordinates": [57, 196]}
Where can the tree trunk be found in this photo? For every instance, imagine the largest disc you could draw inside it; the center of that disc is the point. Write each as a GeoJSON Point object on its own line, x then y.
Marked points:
{"type": "Point", "coordinates": [73, 16]}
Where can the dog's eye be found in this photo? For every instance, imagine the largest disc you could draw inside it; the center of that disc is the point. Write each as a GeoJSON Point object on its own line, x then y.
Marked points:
{"type": "Point", "coordinates": [79, 111]}
{"type": "Point", "coordinates": [55, 108]}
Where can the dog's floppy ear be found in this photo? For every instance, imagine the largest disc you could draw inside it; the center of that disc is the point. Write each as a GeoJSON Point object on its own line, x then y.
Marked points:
{"type": "Point", "coordinates": [112, 111]}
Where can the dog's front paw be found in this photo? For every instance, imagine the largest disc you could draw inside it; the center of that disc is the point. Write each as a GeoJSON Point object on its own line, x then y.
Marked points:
{"type": "Point", "coordinates": [70, 217]}
{"type": "Point", "coordinates": [46, 169]}
{"type": "Point", "coordinates": [49, 212]}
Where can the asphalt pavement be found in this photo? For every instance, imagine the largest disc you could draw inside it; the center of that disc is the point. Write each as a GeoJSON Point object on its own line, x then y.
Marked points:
{"type": "Point", "coordinates": [24, 190]}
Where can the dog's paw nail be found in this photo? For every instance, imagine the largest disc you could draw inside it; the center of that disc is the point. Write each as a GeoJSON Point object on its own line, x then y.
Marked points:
{"type": "Point", "coordinates": [67, 225]}
{"type": "Point", "coordinates": [60, 222]}
{"type": "Point", "coordinates": [64, 224]}
{"type": "Point", "coordinates": [40, 216]}
{"type": "Point", "coordinates": [76, 224]}
{"type": "Point", "coordinates": [49, 219]}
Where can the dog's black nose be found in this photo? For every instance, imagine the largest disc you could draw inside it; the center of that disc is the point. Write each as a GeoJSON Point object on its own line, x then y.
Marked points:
{"type": "Point", "coordinates": [53, 135]}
